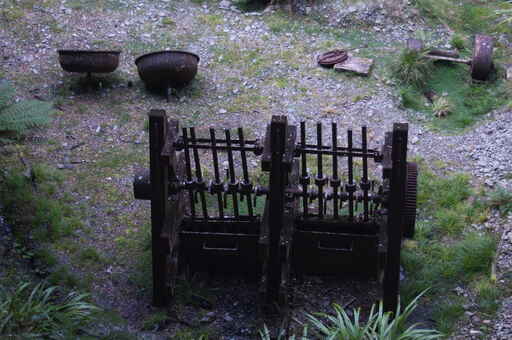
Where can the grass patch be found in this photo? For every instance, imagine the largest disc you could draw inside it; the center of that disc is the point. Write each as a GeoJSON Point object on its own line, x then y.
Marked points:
{"type": "Point", "coordinates": [468, 16]}
{"type": "Point", "coordinates": [155, 321]}
{"type": "Point", "coordinates": [31, 204]}
{"type": "Point", "coordinates": [91, 256]}
{"type": "Point", "coordinates": [445, 255]}
{"type": "Point", "coordinates": [463, 101]}
{"type": "Point", "coordinates": [501, 199]}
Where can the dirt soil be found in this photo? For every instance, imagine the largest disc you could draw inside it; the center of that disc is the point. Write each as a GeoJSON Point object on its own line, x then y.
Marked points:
{"type": "Point", "coordinates": [253, 66]}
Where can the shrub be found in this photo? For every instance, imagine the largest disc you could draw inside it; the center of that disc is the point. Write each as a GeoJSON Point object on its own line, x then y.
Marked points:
{"type": "Point", "coordinates": [40, 313]}
{"type": "Point", "coordinates": [413, 68]}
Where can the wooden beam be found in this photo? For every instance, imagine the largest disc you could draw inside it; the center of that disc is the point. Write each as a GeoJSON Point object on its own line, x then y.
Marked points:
{"type": "Point", "coordinates": [391, 282]}
{"type": "Point", "coordinates": [159, 179]}
{"type": "Point", "coordinates": [278, 137]}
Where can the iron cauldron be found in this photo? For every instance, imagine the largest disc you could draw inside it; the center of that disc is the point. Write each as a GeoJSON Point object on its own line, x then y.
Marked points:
{"type": "Point", "coordinates": [85, 61]}
{"type": "Point", "coordinates": [167, 69]}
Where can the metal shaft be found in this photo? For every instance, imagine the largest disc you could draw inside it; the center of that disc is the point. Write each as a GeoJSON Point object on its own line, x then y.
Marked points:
{"type": "Point", "coordinates": [216, 173]}
{"type": "Point", "coordinates": [350, 186]}
{"type": "Point", "coordinates": [232, 179]}
{"type": "Point", "coordinates": [199, 175]}
{"type": "Point", "coordinates": [245, 171]}
{"type": "Point", "coordinates": [188, 170]}
{"type": "Point", "coordinates": [320, 176]}
{"type": "Point", "coordinates": [305, 177]}
{"type": "Point", "coordinates": [365, 184]}
{"type": "Point", "coordinates": [334, 181]}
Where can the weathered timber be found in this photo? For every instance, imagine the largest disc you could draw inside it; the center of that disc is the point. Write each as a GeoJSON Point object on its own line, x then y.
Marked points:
{"type": "Point", "coordinates": [391, 281]}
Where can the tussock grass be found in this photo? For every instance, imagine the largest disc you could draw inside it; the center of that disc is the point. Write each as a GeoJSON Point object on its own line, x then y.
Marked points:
{"type": "Point", "coordinates": [379, 325]}
{"type": "Point", "coordinates": [42, 312]}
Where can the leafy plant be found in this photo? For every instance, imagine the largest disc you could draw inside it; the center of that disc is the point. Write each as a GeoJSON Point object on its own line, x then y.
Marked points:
{"type": "Point", "coordinates": [40, 313]}
{"type": "Point", "coordinates": [501, 199]}
{"type": "Point", "coordinates": [379, 326]}
{"type": "Point", "coordinates": [20, 116]}
{"type": "Point", "coordinates": [413, 68]}
{"type": "Point", "coordinates": [458, 42]}
{"type": "Point", "coordinates": [442, 106]}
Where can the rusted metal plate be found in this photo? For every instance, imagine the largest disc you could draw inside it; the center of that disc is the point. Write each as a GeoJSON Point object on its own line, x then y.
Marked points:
{"type": "Point", "coordinates": [481, 65]}
{"type": "Point", "coordinates": [361, 66]}
{"type": "Point", "coordinates": [331, 58]}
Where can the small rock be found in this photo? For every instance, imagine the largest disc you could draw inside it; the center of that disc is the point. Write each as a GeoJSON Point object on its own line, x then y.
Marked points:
{"type": "Point", "coordinates": [225, 4]}
{"type": "Point", "coordinates": [228, 318]}
{"type": "Point", "coordinates": [475, 332]}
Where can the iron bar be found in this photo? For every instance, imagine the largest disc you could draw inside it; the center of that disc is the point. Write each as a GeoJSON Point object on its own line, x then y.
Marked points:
{"type": "Point", "coordinates": [255, 149]}
{"type": "Point", "coordinates": [350, 187]}
{"type": "Point", "coordinates": [335, 182]}
{"type": "Point", "coordinates": [365, 185]}
{"type": "Point", "coordinates": [320, 180]}
{"type": "Point", "coordinates": [246, 185]}
{"type": "Point", "coordinates": [200, 185]}
{"type": "Point", "coordinates": [188, 170]}
{"type": "Point", "coordinates": [305, 176]}
{"type": "Point", "coordinates": [217, 187]}
{"type": "Point", "coordinates": [354, 154]}
{"type": "Point", "coordinates": [232, 186]}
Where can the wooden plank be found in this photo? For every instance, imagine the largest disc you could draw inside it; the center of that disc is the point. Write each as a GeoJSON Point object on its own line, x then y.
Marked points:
{"type": "Point", "coordinates": [391, 283]}
{"type": "Point", "coordinates": [361, 66]}
{"type": "Point", "coordinates": [159, 179]}
{"type": "Point", "coordinates": [277, 184]}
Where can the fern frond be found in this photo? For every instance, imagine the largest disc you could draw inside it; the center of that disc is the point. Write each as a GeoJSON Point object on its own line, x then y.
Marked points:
{"type": "Point", "coordinates": [6, 94]}
{"type": "Point", "coordinates": [24, 115]}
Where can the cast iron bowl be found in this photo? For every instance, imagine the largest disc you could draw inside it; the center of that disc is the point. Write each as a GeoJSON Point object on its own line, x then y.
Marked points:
{"type": "Point", "coordinates": [164, 69]}
{"type": "Point", "coordinates": [89, 61]}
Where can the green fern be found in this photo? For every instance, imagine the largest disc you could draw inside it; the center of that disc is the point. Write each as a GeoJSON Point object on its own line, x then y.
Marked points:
{"type": "Point", "coordinates": [21, 116]}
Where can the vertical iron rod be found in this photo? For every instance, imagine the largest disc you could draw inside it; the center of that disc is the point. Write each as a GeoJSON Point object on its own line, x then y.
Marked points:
{"type": "Point", "coordinates": [350, 186]}
{"type": "Point", "coordinates": [334, 181]}
{"type": "Point", "coordinates": [245, 170]}
{"type": "Point", "coordinates": [216, 172]}
{"type": "Point", "coordinates": [188, 170]}
{"type": "Point", "coordinates": [199, 174]}
{"type": "Point", "coordinates": [305, 177]}
{"type": "Point", "coordinates": [232, 180]}
{"type": "Point", "coordinates": [365, 183]}
{"type": "Point", "coordinates": [320, 171]}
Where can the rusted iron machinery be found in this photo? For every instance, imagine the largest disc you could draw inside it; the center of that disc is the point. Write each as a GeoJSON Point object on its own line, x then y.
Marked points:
{"type": "Point", "coordinates": [332, 219]}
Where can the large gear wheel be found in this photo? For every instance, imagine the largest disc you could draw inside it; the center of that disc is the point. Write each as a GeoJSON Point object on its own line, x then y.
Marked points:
{"type": "Point", "coordinates": [411, 192]}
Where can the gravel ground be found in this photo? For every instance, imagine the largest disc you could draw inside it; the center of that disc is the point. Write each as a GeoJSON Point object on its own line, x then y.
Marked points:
{"type": "Point", "coordinates": [247, 73]}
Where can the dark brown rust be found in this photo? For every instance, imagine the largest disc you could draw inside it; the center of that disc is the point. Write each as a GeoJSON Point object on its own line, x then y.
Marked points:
{"type": "Point", "coordinates": [481, 64]}
{"type": "Point", "coordinates": [411, 193]}
{"type": "Point", "coordinates": [286, 237]}
{"type": "Point", "coordinates": [164, 69]}
{"type": "Point", "coordinates": [331, 58]}
{"type": "Point", "coordinates": [89, 61]}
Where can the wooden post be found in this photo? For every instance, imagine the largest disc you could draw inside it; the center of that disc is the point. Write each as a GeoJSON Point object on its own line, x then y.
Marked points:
{"type": "Point", "coordinates": [391, 282]}
{"type": "Point", "coordinates": [278, 134]}
{"type": "Point", "coordinates": [159, 178]}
